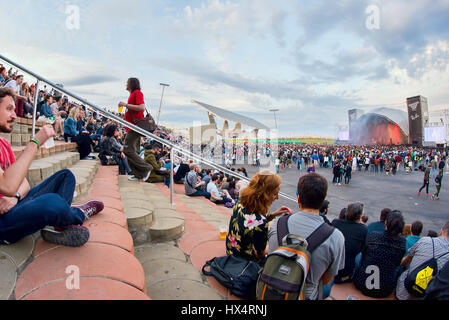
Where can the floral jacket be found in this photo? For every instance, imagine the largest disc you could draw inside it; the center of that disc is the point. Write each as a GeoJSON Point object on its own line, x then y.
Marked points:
{"type": "Point", "coordinates": [248, 233]}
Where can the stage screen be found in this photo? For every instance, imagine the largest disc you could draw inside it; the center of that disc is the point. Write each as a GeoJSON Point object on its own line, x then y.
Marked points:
{"type": "Point", "coordinates": [435, 134]}
{"type": "Point", "coordinates": [343, 135]}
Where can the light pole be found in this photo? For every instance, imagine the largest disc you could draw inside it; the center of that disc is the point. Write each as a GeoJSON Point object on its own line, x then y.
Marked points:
{"type": "Point", "coordinates": [162, 97]}
{"type": "Point", "coordinates": [275, 120]}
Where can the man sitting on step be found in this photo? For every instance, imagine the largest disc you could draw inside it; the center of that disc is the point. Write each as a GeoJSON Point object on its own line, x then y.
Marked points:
{"type": "Point", "coordinates": [47, 207]}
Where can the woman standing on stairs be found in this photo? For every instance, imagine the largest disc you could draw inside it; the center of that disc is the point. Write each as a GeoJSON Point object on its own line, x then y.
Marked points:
{"type": "Point", "coordinates": [135, 110]}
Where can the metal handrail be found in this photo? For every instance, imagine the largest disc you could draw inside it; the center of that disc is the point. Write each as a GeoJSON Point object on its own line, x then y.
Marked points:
{"type": "Point", "coordinates": [131, 126]}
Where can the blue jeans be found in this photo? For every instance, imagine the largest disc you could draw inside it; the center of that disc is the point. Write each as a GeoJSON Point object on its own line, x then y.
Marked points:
{"type": "Point", "coordinates": [48, 204]}
{"type": "Point", "coordinates": [200, 193]}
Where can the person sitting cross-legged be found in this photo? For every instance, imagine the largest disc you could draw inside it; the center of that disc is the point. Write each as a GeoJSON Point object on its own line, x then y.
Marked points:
{"type": "Point", "coordinates": [192, 183]}
{"type": "Point", "coordinates": [47, 207]}
{"type": "Point", "coordinates": [157, 174]}
{"type": "Point", "coordinates": [216, 196]}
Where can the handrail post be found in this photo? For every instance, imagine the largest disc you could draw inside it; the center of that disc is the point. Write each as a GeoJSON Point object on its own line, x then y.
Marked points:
{"type": "Point", "coordinates": [172, 180]}
{"type": "Point", "coordinates": [36, 95]}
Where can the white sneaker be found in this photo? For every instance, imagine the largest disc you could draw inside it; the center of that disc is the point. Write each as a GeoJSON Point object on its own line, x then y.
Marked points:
{"type": "Point", "coordinates": [147, 176]}
{"type": "Point", "coordinates": [132, 178]}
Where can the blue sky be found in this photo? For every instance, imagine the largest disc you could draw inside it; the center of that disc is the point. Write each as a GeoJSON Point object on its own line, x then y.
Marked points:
{"type": "Point", "coordinates": [312, 60]}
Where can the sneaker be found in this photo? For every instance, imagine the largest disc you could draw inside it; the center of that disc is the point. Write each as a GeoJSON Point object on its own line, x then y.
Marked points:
{"type": "Point", "coordinates": [419, 193]}
{"type": "Point", "coordinates": [72, 236]}
{"type": "Point", "coordinates": [91, 208]}
{"type": "Point", "coordinates": [132, 178]}
{"type": "Point", "coordinates": [147, 176]}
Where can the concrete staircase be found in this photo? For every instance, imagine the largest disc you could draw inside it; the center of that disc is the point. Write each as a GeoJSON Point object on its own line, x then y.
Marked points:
{"type": "Point", "coordinates": [35, 270]}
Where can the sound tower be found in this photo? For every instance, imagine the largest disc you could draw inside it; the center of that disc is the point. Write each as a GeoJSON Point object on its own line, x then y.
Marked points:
{"type": "Point", "coordinates": [418, 119]}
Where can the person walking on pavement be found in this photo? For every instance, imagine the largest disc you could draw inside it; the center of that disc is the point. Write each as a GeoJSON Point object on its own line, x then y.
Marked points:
{"type": "Point", "coordinates": [426, 180]}
{"type": "Point", "coordinates": [438, 181]}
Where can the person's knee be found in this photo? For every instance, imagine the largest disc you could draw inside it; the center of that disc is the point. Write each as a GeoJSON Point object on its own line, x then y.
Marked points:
{"type": "Point", "coordinates": [69, 177]}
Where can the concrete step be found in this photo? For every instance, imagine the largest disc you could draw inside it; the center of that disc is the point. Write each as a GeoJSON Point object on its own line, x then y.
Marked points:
{"type": "Point", "coordinates": [13, 259]}
{"type": "Point", "coordinates": [108, 269]}
{"type": "Point", "coordinates": [163, 263]}
{"type": "Point", "coordinates": [150, 215]}
{"type": "Point", "coordinates": [44, 168]}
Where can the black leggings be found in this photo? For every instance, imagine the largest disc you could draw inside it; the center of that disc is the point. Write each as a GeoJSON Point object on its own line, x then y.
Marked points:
{"type": "Point", "coordinates": [425, 185]}
{"type": "Point", "coordinates": [84, 143]}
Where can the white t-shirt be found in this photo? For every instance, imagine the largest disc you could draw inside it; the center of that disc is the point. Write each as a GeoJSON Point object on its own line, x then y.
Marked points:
{"type": "Point", "coordinates": [13, 84]}
{"type": "Point", "coordinates": [54, 108]}
{"type": "Point", "coordinates": [212, 189]}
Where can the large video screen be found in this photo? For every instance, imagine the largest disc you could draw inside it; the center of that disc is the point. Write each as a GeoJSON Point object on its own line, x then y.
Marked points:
{"type": "Point", "coordinates": [434, 134]}
{"type": "Point", "coordinates": [343, 135]}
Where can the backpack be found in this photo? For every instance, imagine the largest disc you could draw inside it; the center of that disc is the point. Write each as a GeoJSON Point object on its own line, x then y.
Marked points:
{"type": "Point", "coordinates": [285, 272]}
{"type": "Point", "coordinates": [418, 279]}
{"type": "Point", "coordinates": [438, 288]}
{"type": "Point", "coordinates": [438, 179]}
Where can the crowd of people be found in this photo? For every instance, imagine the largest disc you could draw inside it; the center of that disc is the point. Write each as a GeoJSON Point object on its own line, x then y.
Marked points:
{"type": "Point", "coordinates": [376, 159]}
{"type": "Point", "coordinates": [350, 254]}
{"type": "Point", "coordinates": [388, 246]}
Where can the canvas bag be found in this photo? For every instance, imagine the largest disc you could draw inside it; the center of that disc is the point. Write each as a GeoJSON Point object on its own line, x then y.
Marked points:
{"type": "Point", "coordinates": [418, 280]}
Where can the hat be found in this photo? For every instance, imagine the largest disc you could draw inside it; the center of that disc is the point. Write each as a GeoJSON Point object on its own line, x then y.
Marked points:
{"type": "Point", "coordinates": [156, 144]}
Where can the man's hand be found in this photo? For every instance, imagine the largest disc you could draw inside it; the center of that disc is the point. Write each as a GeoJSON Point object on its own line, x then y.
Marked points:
{"type": "Point", "coordinates": [7, 204]}
{"type": "Point", "coordinates": [45, 133]}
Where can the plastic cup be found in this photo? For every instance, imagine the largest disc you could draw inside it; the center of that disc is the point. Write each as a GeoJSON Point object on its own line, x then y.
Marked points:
{"type": "Point", "coordinates": [120, 109]}
{"type": "Point", "coordinates": [223, 232]}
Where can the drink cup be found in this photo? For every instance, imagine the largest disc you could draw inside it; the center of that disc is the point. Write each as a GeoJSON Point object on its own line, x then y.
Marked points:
{"type": "Point", "coordinates": [223, 232]}
{"type": "Point", "coordinates": [120, 109]}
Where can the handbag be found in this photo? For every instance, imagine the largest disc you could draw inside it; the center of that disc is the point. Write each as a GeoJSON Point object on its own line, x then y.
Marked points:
{"type": "Point", "coordinates": [147, 123]}
{"type": "Point", "coordinates": [236, 273]}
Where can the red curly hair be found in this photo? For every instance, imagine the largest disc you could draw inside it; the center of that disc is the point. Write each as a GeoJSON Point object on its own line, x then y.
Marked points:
{"type": "Point", "coordinates": [257, 197]}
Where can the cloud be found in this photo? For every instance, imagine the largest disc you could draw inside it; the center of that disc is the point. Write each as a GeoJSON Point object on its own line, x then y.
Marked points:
{"type": "Point", "coordinates": [88, 80]}
{"type": "Point", "coordinates": [210, 76]}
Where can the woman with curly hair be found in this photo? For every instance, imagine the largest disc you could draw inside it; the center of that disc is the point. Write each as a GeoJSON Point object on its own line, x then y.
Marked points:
{"type": "Point", "coordinates": [248, 227]}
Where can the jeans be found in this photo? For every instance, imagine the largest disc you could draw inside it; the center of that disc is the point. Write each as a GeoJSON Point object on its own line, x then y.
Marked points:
{"type": "Point", "coordinates": [200, 193]}
{"type": "Point", "coordinates": [48, 204]}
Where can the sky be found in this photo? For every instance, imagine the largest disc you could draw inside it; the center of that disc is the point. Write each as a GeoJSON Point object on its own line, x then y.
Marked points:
{"type": "Point", "coordinates": [312, 60]}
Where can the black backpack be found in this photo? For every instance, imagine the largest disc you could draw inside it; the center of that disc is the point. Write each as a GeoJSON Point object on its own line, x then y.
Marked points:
{"type": "Point", "coordinates": [438, 289]}
{"type": "Point", "coordinates": [419, 279]}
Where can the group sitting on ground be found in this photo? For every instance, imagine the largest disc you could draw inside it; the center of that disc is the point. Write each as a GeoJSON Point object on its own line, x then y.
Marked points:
{"type": "Point", "coordinates": [377, 258]}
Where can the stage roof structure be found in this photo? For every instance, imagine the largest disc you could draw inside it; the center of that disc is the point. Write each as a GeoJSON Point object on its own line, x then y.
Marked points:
{"type": "Point", "coordinates": [231, 116]}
